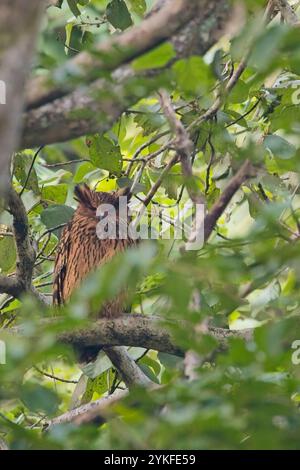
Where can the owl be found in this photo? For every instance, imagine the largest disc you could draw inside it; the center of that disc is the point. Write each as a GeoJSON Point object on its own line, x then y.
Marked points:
{"type": "Point", "coordinates": [85, 244]}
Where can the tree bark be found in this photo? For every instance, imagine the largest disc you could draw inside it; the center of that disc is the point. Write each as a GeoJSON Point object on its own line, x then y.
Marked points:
{"type": "Point", "coordinates": [18, 29]}
{"type": "Point", "coordinates": [97, 106]}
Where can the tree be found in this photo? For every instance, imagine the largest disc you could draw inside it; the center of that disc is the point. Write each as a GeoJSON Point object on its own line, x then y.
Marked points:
{"type": "Point", "coordinates": [193, 104]}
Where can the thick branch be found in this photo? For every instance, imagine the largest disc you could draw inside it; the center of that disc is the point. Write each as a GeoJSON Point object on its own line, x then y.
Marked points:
{"type": "Point", "coordinates": [21, 281]}
{"type": "Point", "coordinates": [80, 113]}
{"type": "Point", "coordinates": [94, 109]}
{"type": "Point", "coordinates": [119, 49]}
{"type": "Point", "coordinates": [98, 409]}
{"type": "Point", "coordinates": [130, 372]}
{"type": "Point", "coordinates": [130, 330]}
{"type": "Point", "coordinates": [18, 26]}
{"type": "Point", "coordinates": [25, 250]}
{"type": "Point", "coordinates": [9, 285]}
{"type": "Point", "coordinates": [135, 330]}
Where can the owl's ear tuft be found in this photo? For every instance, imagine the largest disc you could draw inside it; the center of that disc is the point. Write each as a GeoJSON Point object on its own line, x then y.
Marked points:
{"type": "Point", "coordinates": [126, 191]}
{"type": "Point", "coordinates": [84, 195]}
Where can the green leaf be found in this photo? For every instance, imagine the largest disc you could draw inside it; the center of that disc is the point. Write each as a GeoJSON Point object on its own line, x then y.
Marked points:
{"type": "Point", "coordinates": [239, 93]}
{"type": "Point", "coordinates": [287, 118]}
{"type": "Point", "coordinates": [118, 15]}
{"type": "Point", "coordinates": [123, 182]}
{"type": "Point", "coordinates": [172, 182]}
{"type": "Point", "coordinates": [155, 365]}
{"type": "Point", "coordinates": [267, 47]}
{"type": "Point", "coordinates": [22, 166]}
{"type": "Point", "coordinates": [280, 147]}
{"type": "Point", "coordinates": [149, 373]}
{"type": "Point", "coordinates": [138, 6]}
{"type": "Point", "coordinates": [73, 7]}
{"type": "Point", "coordinates": [193, 75]}
{"type": "Point", "coordinates": [156, 58]}
{"type": "Point", "coordinates": [69, 29]}
{"type": "Point", "coordinates": [7, 254]}
{"type": "Point", "coordinates": [105, 155]}
{"type": "Point", "coordinates": [97, 385]}
{"type": "Point", "coordinates": [149, 119]}
{"type": "Point", "coordinates": [38, 398]}
{"type": "Point", "coordinates": [56, 215]}
{"type": "Point", "coordinates": [55, 193]}
{"type": "Point", "coordinates": [97, 367]}
{"type": "Point", "coordinates": [14, 305]}
{"type": "Point", "coordinates": [168, 360]}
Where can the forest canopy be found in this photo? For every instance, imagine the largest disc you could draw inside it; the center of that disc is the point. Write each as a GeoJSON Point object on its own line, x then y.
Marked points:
{"type": "Point", "coordinates": [194, 106]}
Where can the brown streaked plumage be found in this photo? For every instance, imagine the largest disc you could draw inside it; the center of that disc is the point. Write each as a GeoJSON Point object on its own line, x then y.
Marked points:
{"type": "Point", "coordinates": [80, 250]}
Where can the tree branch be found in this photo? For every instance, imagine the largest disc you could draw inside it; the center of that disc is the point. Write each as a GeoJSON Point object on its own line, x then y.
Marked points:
{"type": "Point", "coordinates": [20, 282]}
{"type": "Point", "coordinates": [136, 330]}
{"type": "Point", "coordinates": [127, 330]}
{"type": "Point", "coordinates": [161, 24]}
{"type": "Point", "coordinates": [129, 371]}
{"type": "Point", "coordinates": [245, 172]}
{"type": "Point", "coordinates": [96, 108]}
{"type": "Point", "coordinates": [90, 411]}
{"type": "Point", "coordinates": [18, 27]}
{"type": "Point", "coordinates": [25, 250]}
{"type": "Point", "coordinates": [210, 220]}
{"type": "Point", "coordinates": [8, 285]}
{"type": "Point", "coordinates": [159, 181]}
{"type": "Point", "coordinates": [144, 331]}
{"type": "Point", "coordinates": [287, 12]}
{"type": "Point", "coordinates": [3, 445]}
{"type": "Point", "coordinates": [98, 409]}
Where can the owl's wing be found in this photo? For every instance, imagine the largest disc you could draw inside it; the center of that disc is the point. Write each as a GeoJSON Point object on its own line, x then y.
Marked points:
{"type": "Point", "coordinates": [60, 267]}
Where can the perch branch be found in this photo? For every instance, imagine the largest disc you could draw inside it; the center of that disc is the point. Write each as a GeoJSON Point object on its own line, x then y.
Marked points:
{"type": "Point", "coordinates": [145, 331]}
{"type": "Point", "coordinates": [137, 330]}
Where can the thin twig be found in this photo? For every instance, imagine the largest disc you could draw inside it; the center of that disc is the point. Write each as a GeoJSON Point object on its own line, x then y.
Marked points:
{"type": "Point", "coordinates": [31, 168]}
{"type": "Point", "coordinates": [69, 162]}
{"type": "Point", "coordinates": [54, 377]}
{"type": "Point", "coordinates": [159, 181]}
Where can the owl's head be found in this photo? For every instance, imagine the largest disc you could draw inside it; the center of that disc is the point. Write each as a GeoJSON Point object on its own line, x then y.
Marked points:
{"type": "Point", "coordinates": [90, 201]}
